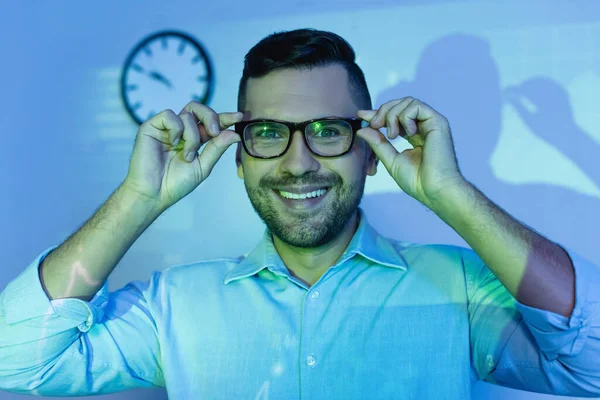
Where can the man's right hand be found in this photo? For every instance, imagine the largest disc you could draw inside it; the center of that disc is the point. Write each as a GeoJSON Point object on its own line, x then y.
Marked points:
{"type": "Point", "coordinates": [165, 165]}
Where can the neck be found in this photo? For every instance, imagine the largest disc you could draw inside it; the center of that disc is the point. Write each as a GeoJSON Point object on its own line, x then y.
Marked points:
{"type": "Point", "coordinates": [309, 264]}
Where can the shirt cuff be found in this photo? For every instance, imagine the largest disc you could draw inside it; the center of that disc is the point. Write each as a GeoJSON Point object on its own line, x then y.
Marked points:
{"type": "Point", "coordinates": [557, 335]}
{"type": "Point", "coordinates": [24, 298]}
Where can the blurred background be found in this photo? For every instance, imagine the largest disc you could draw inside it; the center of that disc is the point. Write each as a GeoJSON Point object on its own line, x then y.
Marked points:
{"type": "Point", "coordinates": [518, 80]}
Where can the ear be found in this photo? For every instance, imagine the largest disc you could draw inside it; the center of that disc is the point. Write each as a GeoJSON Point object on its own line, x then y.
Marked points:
{"type": "Point", "coordinates": [238, 161]}
{"type": "Point", "coordinates": [371, 161]}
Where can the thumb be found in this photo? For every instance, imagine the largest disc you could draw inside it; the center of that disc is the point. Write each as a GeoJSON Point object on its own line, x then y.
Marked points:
{"type": "Point", "coordinates": [214, 149]}
{"type": "Point", "coordinates": [382, 147]}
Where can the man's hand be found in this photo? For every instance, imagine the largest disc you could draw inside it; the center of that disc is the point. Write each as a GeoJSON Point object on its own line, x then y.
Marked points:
{"type": "Point", "coordinates": [537, 272]}
{"type": "Point", "coordinates": [165, 165]}
{"type": "Point", "coordinates": [430, 169]}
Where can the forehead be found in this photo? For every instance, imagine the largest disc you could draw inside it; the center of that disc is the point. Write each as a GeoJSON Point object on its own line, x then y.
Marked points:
{"type": "Point", "coordinates": [298, 95]}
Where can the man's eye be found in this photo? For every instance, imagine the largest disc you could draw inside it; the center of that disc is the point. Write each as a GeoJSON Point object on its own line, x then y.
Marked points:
{"type": "Point", "coordinates": [327, 133]}
{"type": "Point", "coordinates": [268, 134]}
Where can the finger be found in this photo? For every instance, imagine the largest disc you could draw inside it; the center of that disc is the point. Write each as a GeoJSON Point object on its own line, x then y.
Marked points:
{"type": "Point", "coordinates": [165, 127]}
{"type": "Point", "coordinates": [419, 119]}
{"type": "Point", "coordinates": [414, 113]}
{"type": "Point", "coordinates": [392, 120]}
{"type": "Point", "coordinates": [366, 115]}
{"type": "Point", "coordinates": [378, 120]}
{"type": "Point", "coordinates": [214, 149]}
{"type": "Point", "coordinates": [225, 121]}
{"type": "Point", "coordinates": [228, 119]}
{"type": "Point", "coordinates": [204, 136]}
{"type": "Point", "coordinates": [204, 115]}
{"type": "Point", "coordinates": [426, 117]}
{"type": "Point", "coordinates": [382, 147]}
{"type": "Point", "coordinates": [393, 126]}
{"type": "Point", "coordinates": [191, 136]}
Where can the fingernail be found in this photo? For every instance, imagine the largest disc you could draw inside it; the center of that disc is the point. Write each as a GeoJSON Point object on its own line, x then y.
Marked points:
{"type": "Point", "coordinates": [215, 129]}
{"type": "Point", "coordinates": [190, 156]}
{"type": "Point", "coordinates": [176, 141]}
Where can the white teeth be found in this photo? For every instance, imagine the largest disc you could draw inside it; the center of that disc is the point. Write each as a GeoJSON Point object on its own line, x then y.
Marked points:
{"type": "Point", "coordinates": [302, 196]}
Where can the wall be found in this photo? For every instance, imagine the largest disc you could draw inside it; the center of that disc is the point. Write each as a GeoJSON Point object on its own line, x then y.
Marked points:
{"type": "Point", "coordinates": [515, 79]}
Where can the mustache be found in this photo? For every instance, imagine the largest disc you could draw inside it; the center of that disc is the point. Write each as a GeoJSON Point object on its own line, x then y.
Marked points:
{"type": "Point", "coordinates": [311, 178]}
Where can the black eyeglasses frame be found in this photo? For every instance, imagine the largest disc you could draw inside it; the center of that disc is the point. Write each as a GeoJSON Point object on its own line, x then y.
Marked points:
{"type": "Point", "coordinates": [355, 123]}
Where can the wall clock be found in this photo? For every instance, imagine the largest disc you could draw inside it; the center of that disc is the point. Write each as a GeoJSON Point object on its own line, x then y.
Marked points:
{"type": "Point", "coordinates": [165, 70]}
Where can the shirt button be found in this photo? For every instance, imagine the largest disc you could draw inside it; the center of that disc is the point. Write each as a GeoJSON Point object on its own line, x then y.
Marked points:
{"type": "Point", "coordinates": [490, 362]}
{"type": "Point", "coordinates": [315, 294]}
{"type": "Point", "coordinates": [311, 361]}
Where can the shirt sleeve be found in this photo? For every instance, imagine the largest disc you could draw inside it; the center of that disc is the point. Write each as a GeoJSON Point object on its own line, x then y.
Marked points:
{"type": "Point", "coordinates": [70, 347]}
{"type": "Point", "coordinates": [530, 349]}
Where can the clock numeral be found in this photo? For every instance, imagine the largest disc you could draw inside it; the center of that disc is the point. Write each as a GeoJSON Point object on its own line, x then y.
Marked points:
{"type": "Point", "coordinates": [137, 68]}
{"type": "Point", "coordinates": [164, 43]}
{"type": "Point", "coordinates": [181, 48]}
{"type": "Point", "coordinates": [202, 78]}
{"type": "Point", "coordinates": [136, 106]}
{"type": "Point", "coordinates": [197, 59]}
{"type": "Point", "coordinates": [131, 88]}
{"type": "Point", "coordinates": [197, 98]}
{"type": "Point", "coordinates": [148, 51]}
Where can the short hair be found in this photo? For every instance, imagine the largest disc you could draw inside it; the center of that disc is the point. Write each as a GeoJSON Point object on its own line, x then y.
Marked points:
{"type": "Point", "coordinates": [304, 49]}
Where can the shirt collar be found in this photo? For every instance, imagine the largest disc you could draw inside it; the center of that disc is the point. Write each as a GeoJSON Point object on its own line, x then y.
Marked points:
{"type": "Point", "coordinates": [365, 242]}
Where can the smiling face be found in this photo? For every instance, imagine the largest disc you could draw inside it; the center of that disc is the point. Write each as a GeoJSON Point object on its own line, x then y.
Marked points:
{"type": "Point", "coordinates": [305, 200]}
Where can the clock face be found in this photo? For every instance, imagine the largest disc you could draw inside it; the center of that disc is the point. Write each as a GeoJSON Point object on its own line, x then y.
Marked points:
{"type": "Point", "coordinates": [166, 70]}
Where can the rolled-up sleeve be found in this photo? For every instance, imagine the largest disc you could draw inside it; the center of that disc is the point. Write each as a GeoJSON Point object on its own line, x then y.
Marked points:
{"type": "Point", "coordinates": [533, 349]}
{"type": "Point", "coordinates": [74, 347]}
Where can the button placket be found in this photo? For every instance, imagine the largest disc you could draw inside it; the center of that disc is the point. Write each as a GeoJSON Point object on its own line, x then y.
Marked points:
{"type": "Point", "coordinates": [311, 360]}
{"type": "Point", "coordinates": [310, 347]}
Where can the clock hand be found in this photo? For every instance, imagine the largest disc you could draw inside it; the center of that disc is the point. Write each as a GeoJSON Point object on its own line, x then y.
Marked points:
{"type": "Point", "coordinates": [160, 77]}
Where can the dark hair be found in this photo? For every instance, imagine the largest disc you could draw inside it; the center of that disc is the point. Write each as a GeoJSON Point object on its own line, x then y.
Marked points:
{"type": "Point", "coordinates": [304, 49]}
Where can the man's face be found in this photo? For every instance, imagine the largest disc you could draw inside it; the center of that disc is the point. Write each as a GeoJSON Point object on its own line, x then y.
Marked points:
{"type": "Point", "coordinates": [296, 96]}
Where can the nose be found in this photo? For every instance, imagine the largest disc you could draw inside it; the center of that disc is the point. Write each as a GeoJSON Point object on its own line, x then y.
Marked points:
{"type": "Point", "coordinates": [298, 160]}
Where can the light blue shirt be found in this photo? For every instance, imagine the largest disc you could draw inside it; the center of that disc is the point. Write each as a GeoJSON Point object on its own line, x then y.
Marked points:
{"type": "Point", "coordinates": [390, 320]}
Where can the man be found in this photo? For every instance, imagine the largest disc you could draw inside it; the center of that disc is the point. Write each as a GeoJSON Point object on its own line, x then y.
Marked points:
{"type": "Point", "coordinates": [324, 307]}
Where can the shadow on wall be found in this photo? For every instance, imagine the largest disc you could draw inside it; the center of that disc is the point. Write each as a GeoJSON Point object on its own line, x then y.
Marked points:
{"type": "Point", "coordinates": [457, 76]}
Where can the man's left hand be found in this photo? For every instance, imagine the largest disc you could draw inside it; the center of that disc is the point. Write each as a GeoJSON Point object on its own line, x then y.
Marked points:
{"type": "Point", "coordinates": [429, 170]}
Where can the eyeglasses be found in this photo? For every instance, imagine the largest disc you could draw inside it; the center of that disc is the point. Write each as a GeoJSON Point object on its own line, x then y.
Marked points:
{"type": "Point", "coordinates": [325, 137]}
